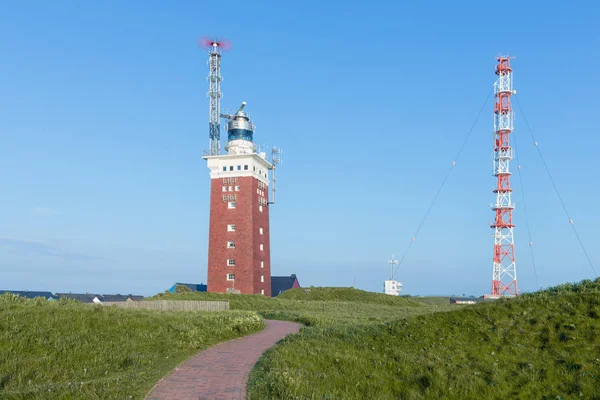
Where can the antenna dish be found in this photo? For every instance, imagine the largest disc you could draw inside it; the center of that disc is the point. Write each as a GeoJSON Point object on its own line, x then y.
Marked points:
{"type": "Point", "coordinates": [214, 43]}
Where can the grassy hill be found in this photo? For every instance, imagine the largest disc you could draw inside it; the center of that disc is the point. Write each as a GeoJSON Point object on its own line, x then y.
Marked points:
{"type": "Point", "coordinates": [66, 349]}
{"type": "Point", "coordinates": [293, 298]}
{"type": "Point", "coordinates": [69, 350]}
{"type": "Point", "coordinates": [326, 306]}
{"type": "Point", "coordinates": [544, 345]}
{"type": "Point", "coordinates": [343, 294]}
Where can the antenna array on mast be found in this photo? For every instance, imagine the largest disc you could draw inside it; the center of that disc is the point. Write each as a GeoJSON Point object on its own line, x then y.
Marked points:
{"type": "Point", "coordinates": [215, 46]}
{"type": "Point", "coordinates": [275, 161]}
{"type": "Point", "coordinates": [393, 262]}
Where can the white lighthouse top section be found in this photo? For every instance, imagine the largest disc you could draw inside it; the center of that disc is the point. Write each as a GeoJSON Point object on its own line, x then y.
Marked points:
{"type": "Point", "coordinates": [241, 158]}
{"type": "Point", "coordinates": [240, 147]}
{"type": "Point", "coordinates": [239, 165]}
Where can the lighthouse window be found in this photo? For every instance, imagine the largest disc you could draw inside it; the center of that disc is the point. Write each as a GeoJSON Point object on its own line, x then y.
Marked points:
{"type": "Point", "coordinates": [231, 204]}
{"type": "Point", "coordinates": [262, 264]}
{"type": "Point", "coordinates": [224, 188]}
{"type": "Point", "coordinates": [254, 169]}
{"type": "Point", "coordinates": [231, 167]}
{"type": "Point", "coordinates": [237, 188]}
{"type": "Point", "coordinates": [231, 228]}
{"type": "Point", "coordinates": [245, 168]}
{"type": "Point", "coordinates": [224, 169]}
{"type": "Point", "coordinates": [231, 244]}
{"type": "Point", "coordinates": [230, 277]}
{"type": "Point", "coordinates": [261, 247]}
{"type": "Point", "coordinates": [231, 262]}
{"type": "Point", "coordinates": [239, 167]}
{"type": "Point", "coordinates": [262, 291]}
{"type": "Point", "coordinates": [260, 208]}
{"type": "Point", "coordinates": [260, 230]}
{"type": "Point", "coordinates": [262, 278]}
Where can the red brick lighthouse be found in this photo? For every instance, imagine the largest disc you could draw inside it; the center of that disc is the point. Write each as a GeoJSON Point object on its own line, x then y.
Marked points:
{"type": "Point", "coordinates": [239, 257]}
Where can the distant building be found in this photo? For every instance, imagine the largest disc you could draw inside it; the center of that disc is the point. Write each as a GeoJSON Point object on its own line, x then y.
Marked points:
{"type": "Point", "coordinates": [194, 287]}
{"type": "Point", "coordinates": [28, 294]}
{"type": "Point", "coordinates": [111, 298]}
{"type": "Point", "coordinates": [280, 284]}
{"type": "Point", "coordinates": [466, 300]}
{"type": "Point", "coordinates": [82, 297]}
{"type": "Point", "coordinates": [392, 287]}
{"type": "Point", "coordinates": [99, 298]}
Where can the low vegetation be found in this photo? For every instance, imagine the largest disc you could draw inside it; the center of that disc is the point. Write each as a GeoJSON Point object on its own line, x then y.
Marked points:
{"type": "Point", "coordinates": [544, 345]}
{"type": "Point", "coordinates": [343, 294]}
{"type": "Point", "coordinates": [355, 345]}
{"type": "Point", "coordinates": [68, 350]}
{"type": "Point", "coordinates": [294, 298]}
{"type": "Point", "coordinates": [347, 306]}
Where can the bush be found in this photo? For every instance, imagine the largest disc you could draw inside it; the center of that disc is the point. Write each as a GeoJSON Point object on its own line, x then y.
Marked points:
{"type": "Point", "coordinates": [182, 289]}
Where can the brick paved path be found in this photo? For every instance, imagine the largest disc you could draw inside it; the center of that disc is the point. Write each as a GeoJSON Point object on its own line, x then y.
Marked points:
{"type": "Point", "coordinates": [221, 372]}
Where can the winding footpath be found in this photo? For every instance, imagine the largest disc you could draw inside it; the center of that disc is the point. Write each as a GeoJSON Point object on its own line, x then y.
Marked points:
{"type": "Point", "coordinates": [221, 372]}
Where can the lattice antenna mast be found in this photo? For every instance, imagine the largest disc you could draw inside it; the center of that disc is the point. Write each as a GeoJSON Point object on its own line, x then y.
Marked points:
{"type": "Point", "coordinates": [276, 153]}
{"type": "Point", "coordinates": [504, 278]}
{"type": "Point", "coordinates": [215, 47]}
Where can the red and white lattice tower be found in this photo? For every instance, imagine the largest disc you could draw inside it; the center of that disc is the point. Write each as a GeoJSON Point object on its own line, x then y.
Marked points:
{"type": "Point", "coordinates": [504, 279]}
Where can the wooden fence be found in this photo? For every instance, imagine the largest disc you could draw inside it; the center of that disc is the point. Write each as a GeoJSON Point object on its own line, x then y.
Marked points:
{"type": "Point", "coordinates": [172, 305]}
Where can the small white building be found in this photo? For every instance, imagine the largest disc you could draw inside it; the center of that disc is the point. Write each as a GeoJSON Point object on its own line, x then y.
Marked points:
{"type": "Point", "coordinates": [392, 287]}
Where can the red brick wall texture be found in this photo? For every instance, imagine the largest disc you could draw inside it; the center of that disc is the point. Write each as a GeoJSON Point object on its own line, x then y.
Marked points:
{"type": "Point", "coordinates": [248, 220]}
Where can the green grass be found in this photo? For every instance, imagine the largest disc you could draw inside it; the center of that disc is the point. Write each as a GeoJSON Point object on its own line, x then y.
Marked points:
{"type": "Point", "coordinates": [358, 306]}
{"type": "Point", "coordinates": [431, 300]}
{"type": "Point", "coordinates": [300, 298]}
{"type": "Point", "coordinates": [68, 350]}
{"type": "Point", "coordinates": [343, 294]}
{"type": "Point", "coordinates": [355, 345]}
{"type": "Point", "coordinates": [543, 346]}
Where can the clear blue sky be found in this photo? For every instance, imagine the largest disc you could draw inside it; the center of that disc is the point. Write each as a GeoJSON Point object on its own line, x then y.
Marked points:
{"type": "Point", "coordinates": [104, 117]}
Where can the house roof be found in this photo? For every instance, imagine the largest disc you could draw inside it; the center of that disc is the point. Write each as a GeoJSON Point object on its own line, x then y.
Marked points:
{"type": "Point", "coordinates": [83, 297]}
{"type": "Point", "coordinates": [89, 297]}
{"type": "Point", "coordinates": [120, 297]}
{"type": "Point", "coordinates": [28, 294]}
{"type": "Point", "coordinates": [197, 287]}
{"type": "Point", "coordinates": [280, 284]}
{"type": "Point", "coordinates": [114, 297]}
